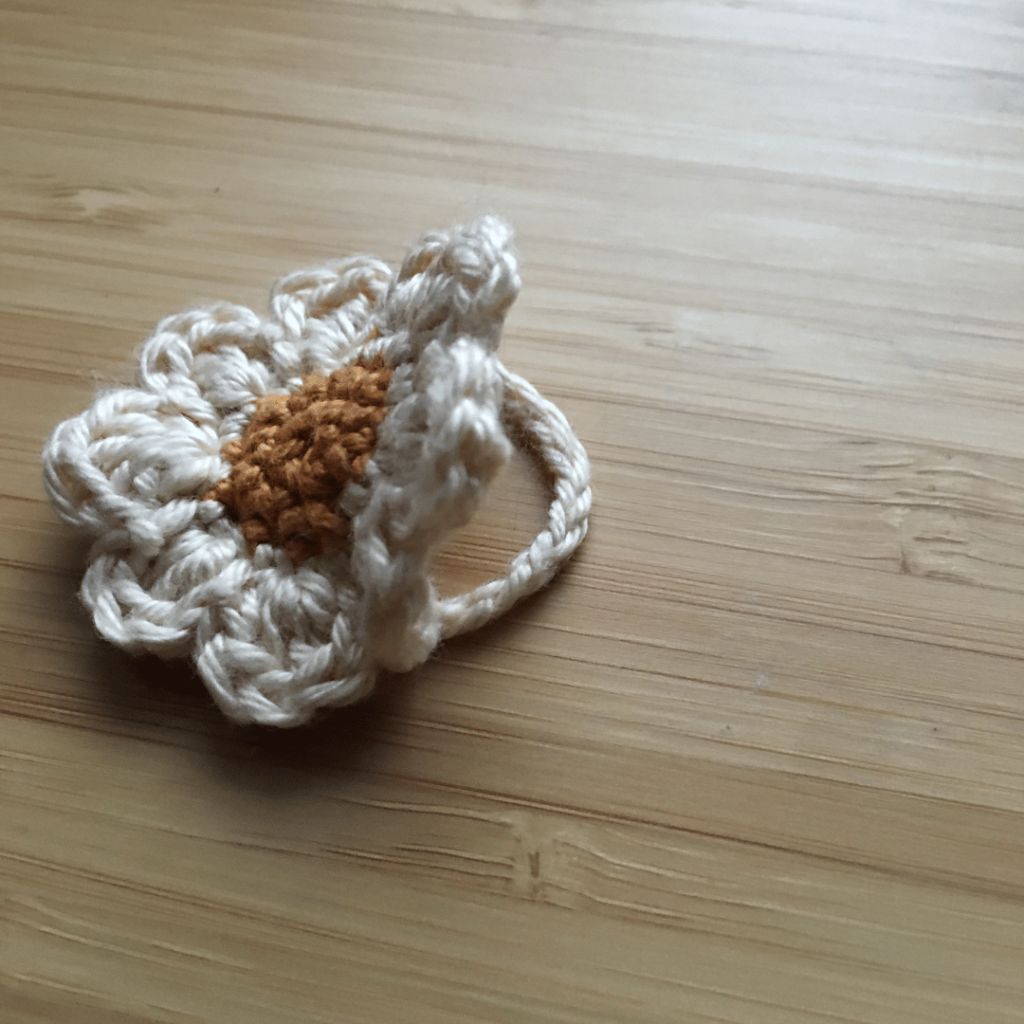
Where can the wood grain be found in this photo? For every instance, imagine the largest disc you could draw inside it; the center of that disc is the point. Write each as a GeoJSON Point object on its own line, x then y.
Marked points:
{"type": "Point", "coordinates": [756, 757]}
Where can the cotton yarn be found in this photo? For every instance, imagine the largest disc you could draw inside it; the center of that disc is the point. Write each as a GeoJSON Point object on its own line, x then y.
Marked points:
{"type": "Point", "coordinates": [269, 497]}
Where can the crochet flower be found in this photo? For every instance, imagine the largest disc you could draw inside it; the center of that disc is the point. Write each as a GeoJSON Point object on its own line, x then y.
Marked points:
{"type": "Point", "coordinates": [269, 497]}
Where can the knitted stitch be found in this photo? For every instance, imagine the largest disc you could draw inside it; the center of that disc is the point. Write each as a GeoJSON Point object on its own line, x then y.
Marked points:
{"type": "Point", "coordinates": [270, 495]}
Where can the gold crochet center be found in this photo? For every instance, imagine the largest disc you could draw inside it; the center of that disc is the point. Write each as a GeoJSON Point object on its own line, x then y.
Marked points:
{"type": "Point", "coordinates": [298, 452]}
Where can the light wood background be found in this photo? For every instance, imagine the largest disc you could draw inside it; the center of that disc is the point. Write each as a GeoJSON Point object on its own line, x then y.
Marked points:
{"type": "Point", "coordinates": [757, 757]}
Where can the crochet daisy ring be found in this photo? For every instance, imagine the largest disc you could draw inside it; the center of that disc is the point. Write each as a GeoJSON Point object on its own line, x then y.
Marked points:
{"type": "Point", "coordinates": [269, 497]}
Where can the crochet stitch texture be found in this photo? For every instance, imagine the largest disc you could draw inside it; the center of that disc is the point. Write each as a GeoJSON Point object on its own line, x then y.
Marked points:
{"type": "Point", "coordinates": [269, 497]}
{"type": "Point", "coordinates": [298, 451]}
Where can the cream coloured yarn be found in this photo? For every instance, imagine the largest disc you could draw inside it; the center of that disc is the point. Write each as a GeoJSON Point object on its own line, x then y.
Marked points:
{"type": "Point", "coordinates": [275, 639]}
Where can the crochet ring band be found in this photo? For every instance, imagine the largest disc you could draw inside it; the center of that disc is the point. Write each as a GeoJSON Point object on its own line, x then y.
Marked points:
{"type": "Point", "coordinates": [552, 440]}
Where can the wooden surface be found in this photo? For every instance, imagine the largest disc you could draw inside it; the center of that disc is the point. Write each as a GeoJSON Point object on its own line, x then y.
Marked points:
{"type": "Point", "coordinates": [757, 757]}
